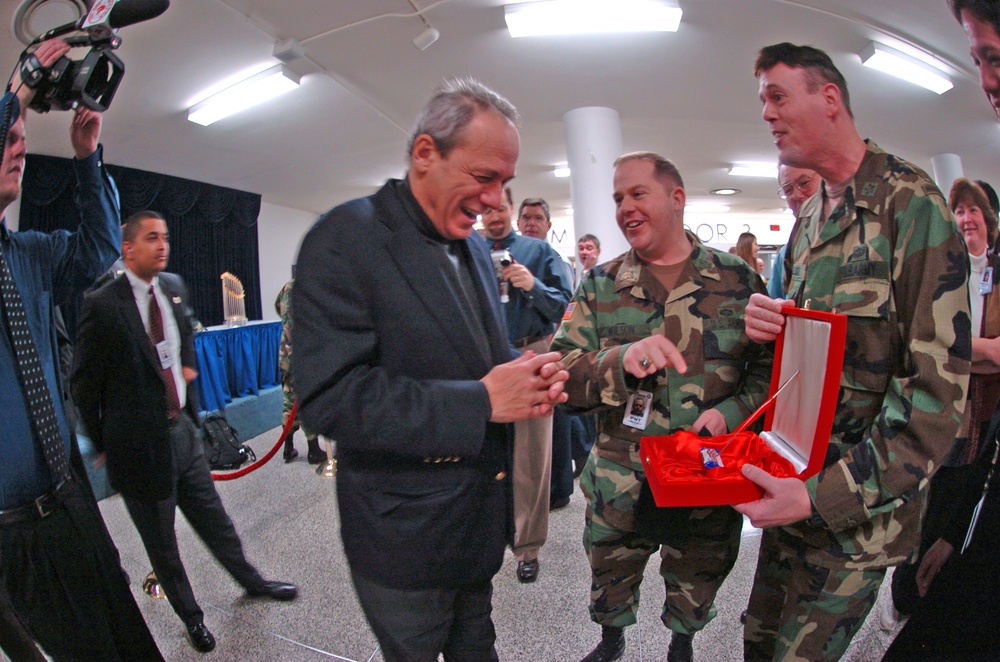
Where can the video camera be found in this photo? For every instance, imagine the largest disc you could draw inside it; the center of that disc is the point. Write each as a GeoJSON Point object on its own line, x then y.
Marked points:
{"type": "Point", "coordinates": [93, 80]}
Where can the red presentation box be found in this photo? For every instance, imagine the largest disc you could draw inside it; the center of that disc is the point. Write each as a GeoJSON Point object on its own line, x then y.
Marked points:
{"type": "Point", "coordinates": [796, 428]}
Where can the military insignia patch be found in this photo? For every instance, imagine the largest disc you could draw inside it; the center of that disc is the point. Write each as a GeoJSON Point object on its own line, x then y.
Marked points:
{"type": "Point", "coordinates": [569, 310]}
{"type": "Point", "coordinates": [869, 189]}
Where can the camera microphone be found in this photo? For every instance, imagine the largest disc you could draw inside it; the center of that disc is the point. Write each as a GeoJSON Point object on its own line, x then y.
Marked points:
{"type": "Point", "coordinates": [108, 15]}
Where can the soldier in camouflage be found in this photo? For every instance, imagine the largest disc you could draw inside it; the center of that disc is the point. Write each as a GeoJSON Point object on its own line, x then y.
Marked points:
{"type": "Point", "coordinates": [283, 306]}
{"type": "Point", "coordinates": [878, 245]}
{"type": "Point", "coordinates": [665, 318]}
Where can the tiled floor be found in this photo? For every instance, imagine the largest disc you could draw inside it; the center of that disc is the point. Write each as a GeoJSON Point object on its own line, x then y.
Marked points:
{"type": "Point", "coordinates": [287, 518]}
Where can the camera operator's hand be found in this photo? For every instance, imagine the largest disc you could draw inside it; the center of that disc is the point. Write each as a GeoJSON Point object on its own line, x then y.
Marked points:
{"type": "Point", "coordinates": [85, 131]}
{"type": "Point", "coordinates": [48, 52]}
{"type": "Point", "coordinates": [519, 275]}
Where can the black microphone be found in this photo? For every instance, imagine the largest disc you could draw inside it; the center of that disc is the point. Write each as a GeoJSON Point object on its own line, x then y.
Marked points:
{"type": "Point", "coordinates": [123, 12]}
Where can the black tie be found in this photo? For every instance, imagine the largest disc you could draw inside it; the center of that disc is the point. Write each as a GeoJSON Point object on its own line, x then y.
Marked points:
{"type": "Point", "coordinates": [29, 368]}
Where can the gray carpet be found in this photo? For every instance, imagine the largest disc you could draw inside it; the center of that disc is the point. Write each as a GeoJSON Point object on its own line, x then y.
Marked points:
{"type": "Point", "coordinates": [287, 518]}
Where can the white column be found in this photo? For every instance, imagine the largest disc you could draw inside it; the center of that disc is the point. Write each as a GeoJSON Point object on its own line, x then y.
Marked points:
{"type": "Point", "coordinates": [593, 142]}
{"type": "Point", "coordinates": [947, 168]}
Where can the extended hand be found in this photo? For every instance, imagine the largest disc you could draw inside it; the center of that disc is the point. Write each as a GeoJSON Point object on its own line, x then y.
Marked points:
{"type": "Point", "coordinates": [650, 355]}
{"type": "Point", "coordinates": [764, 318]}
{"type": "Point", "coordinates": [785, 500]}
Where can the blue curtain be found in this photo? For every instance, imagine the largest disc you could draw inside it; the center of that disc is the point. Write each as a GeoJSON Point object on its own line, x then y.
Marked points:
{"type": "Point", "coordinates": [213, 229]}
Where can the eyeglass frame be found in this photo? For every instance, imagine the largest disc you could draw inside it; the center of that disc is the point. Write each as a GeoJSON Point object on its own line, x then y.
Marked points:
{"type": "Point", "coordinates": [795, 186]}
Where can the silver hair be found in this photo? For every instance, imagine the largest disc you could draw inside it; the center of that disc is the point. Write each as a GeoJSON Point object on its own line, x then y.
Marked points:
{"type": "Point", "coordinates": [452, 108]}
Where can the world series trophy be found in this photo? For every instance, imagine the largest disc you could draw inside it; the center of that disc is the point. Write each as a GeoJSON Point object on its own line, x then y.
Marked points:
{"type": "Point", "coordinates": [233, 304]}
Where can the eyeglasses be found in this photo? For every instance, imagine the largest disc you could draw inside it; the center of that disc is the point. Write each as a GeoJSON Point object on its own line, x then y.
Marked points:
{"type": "Point", "coordinates": [801, 186]}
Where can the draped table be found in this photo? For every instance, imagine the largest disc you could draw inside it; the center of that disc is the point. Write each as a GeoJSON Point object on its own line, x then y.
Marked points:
{"type": "Point", "coordinates": [236, 361]}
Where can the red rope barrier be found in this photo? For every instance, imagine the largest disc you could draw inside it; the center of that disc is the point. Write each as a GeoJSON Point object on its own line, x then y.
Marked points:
{"type": "Point", "coordinates": [264, 460]}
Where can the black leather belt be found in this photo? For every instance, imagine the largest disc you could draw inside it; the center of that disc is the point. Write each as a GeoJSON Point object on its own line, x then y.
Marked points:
{"type": "Point", "coordinates": [40, 508]}
{"type": "Point", "coordinates": [521, 343]}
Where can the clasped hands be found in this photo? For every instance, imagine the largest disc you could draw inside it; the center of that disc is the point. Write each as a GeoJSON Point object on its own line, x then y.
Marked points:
{"type": "Point", "coordinates": [530, 386]}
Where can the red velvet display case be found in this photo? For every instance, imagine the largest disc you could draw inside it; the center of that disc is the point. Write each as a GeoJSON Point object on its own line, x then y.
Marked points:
{"type": "Point", "coordinates": [796, 428]}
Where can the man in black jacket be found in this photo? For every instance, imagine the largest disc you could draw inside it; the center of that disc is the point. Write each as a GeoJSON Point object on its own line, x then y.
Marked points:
{"type": "Point", "coordinates": [134, 368]}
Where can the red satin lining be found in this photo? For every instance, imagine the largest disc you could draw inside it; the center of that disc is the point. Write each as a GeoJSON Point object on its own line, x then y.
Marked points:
{"type": "Point", "coordinates": [677, 457]}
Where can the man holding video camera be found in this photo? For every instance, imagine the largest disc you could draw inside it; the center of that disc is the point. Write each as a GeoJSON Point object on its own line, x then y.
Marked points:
{"type": "Point", "coordinates": [59, 565]}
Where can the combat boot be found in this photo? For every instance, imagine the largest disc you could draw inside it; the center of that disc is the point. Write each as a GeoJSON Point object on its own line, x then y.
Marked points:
{"type": "Point", "coordinates": [681, 648]}
{"type": "Point", "coordinates": [315, 455]}
{"type": "Point", "coordinates": [612, 645]}
{"type": "Point", "coordinates": [290, 453]}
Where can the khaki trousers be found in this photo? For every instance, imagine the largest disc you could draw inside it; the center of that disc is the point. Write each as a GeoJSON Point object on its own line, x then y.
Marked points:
{"type": "Point", "coordinates": [532, 477]}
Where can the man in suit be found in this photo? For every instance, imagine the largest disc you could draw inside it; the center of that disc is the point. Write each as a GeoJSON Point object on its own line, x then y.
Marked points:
{"type": "Point", "coordinates": [132, 382]}
{"type": "Point", "coordinates": [403, 358]}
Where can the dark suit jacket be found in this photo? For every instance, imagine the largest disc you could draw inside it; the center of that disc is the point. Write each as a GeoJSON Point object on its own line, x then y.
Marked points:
{"type": "Point", "coordinates": [387, 363]}
{"type": "Point", "coordinates": [118, 389]}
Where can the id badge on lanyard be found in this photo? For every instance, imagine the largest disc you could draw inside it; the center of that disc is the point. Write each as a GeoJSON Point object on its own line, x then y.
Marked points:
{"type": "Point", "coordinates": [986, 282]}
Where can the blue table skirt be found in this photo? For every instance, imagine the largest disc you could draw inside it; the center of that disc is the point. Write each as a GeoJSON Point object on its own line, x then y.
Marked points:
{"type": "Point", "coordinates": [234, 362]}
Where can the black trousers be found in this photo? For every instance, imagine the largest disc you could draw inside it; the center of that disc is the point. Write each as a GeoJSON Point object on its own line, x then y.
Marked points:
{"type": "Point", "coordinates": [416, 625]}
{"type": "Point", "coordinates": [194, 493]}
{"type": "Point", "coordinates": [64, 579]}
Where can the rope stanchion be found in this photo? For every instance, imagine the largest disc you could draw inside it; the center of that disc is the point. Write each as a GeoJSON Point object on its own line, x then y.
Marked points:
{"type": "Point", "coordinates": [233, 475]}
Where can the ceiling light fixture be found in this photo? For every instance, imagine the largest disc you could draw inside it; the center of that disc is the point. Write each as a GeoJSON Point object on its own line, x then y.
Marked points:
{"type": "Point", "coordinates": [561, 171]}
{"type": "Point", "coordinates": [558, 17]}
{"type": "Point", "coordinates": [726, 191]}
{"type": "Point", "coordinates": [425, 39]}
{"type": "Point", "coordinates": [900, 65]}
{"type": "Point", "coordinates": [754, 170]}
{"type": "Point", "coordinates": [247, 93]}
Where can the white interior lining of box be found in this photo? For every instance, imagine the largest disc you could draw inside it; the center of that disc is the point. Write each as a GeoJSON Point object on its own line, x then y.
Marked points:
{"type": "Point", "coordinates": [796, 411]}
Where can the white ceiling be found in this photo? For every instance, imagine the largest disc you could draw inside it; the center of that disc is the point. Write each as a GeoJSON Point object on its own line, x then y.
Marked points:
{"type": "Point", "coordinates": [690, 95]}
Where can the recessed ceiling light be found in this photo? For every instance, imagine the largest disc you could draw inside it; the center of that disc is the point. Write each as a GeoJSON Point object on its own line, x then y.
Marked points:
{"type": "Point", "coordinates": [895, 63]}
{"type": "Point", "coordinates": [725, 191]}
{"type": "Point", "coordinates": [561, 171]}
{"type": "Point", "coordinates": [754, 170]}
{"type": "Point", "coordinates": [557, 17]}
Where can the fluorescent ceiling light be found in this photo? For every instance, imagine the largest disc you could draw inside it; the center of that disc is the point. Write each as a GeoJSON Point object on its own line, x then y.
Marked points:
{"type": "Point", "coordinates": [897, 64]}
{"type": "Point", "coordinates": [561, 171]}
{"type": "Point", "coordinates": [754, 170]}
{"type": "Point", "coordinates": [555, 17]}
{"type": "Point", "coordinates": [245, 94]}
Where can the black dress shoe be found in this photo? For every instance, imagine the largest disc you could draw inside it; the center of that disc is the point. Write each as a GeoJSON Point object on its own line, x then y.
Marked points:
{"type": "Point", "coordinates": [681, 648]}
{"type": "Point", "coordinates": [274, 590]}
{"type": "Point", "coordinates": [290, 454]}
{"type": "Point", "coordinates": [559, 503]}
{"type": "Point", "coordinates": [318, 457]}
{"type": "Point", "coordinates": [201, 639]}
{"type": "Point", "coordinates": [527, 571]}
{"type": "Point", "coordinates": [612, 645]}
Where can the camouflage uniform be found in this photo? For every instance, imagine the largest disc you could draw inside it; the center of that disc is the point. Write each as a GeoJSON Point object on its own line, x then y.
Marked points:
{"type": "Point", "coordinates": [621, 302]}
{"type": "Point", "coordinates": [892, 260]}
{"type": "Point", "coordinates": [283, 306]}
